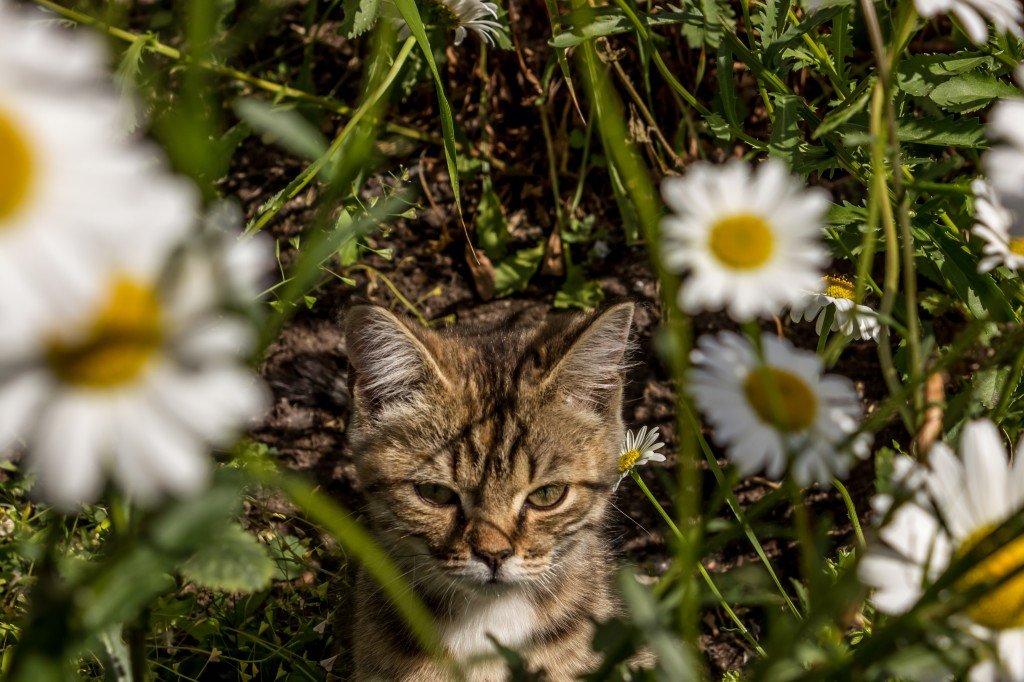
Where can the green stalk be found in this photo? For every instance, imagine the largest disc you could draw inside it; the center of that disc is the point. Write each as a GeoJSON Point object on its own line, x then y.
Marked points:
{"type": "Point", "coordinates": [644, 35]}
{"type": "Point", "coordinates": [737, 510]}
{"type": "Point", "coordinates": [279, 200]}
{"type": "Point", "coordinates": [1009, 387]}
{"type": "Point", "coordinates": [851, 510]}
{"type": "Point", "coordinates": [700, 566]}
{"type": "Point", "coordinates": [286, 91]}
{"type": "Point", "coordinates": [804, 534]}
{"type": "Point", "coordinates": [325, 512]}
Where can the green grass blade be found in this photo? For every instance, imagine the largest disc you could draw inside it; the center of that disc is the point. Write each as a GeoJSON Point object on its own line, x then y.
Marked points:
{"type": "Point", "coordinates": [411, 14]}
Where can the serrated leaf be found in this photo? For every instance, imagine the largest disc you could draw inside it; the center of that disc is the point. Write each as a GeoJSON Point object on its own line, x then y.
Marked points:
{"type": "Point", "coordinates": [947, 261]}
{"type": "Point", "coordinates": [785, 137]}
{"type": "Point", "coordinates": [920, 74]}
{"type": "Point", "coordinates": [233, 561]}
{"type": "Point", "coordinates": [964, 132]}
{"type": "Point", "coordinates": [852, 105]}
{"type": "Point", "coordinates": [360, 16]}
{"type": "Point", "coordinates": [970, 92]}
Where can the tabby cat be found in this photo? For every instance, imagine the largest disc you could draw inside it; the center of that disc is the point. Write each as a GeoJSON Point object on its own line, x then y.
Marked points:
{"type": "Point", "coordinates": [488, 461]}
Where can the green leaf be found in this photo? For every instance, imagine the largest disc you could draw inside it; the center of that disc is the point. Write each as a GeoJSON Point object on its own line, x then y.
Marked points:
{"type": "Point", "coordinates": [920, 74]}
{"type": "Point", "coordinates": [514, 273]}
{"type": "Point", "coordinates": [411, 15]}
{"type": "Point", "coordinates": [578, 291]}
{"type": "Point", "coordinates": [964, 132]}
{"type": "Point", "coordinates": [774, 17]}
{"type": "Point", "coordinates": [233, 561]}
{"type": "Point", "coordinates": [785, 137]}
{"type": "Point", "coordinates": [285, 126]}
{"type": "Point", "coordinates": [947, 261]}
{"type": "Point", "coordinates": [727, 84]}
{"type": "Point", "coordinates": [850, 107]}
{"type": "Point", "coordinates": [491, 226]}
{"type": "Point", "coordinates": [360, 15]}
{"type": "Point", "coordinates": [970, 92]}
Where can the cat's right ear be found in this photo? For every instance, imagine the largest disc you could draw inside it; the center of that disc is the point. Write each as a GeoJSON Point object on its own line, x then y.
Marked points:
{"type": "Point", "coordinates": [389, 365]}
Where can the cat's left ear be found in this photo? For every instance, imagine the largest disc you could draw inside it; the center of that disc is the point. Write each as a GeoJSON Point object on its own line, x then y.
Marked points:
{"type": "Point", "coordinates": [591, 370]}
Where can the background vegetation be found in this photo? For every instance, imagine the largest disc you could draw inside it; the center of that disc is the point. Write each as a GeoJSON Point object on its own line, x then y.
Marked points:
{"type": "Point", "coordinates": [461, 183]}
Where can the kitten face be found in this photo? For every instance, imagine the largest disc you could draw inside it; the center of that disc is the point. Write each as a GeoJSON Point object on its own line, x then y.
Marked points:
{"type": "Point", "coordinates": [488, 460]}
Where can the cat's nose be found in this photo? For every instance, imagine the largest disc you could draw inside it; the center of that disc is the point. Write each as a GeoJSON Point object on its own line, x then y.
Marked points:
{"type": "Point", "coordinates": [492, 556]}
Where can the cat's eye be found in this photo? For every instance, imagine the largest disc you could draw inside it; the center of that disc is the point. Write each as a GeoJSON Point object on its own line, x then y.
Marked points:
{"type": "Point", "coordinates": [437, 494]}
{"type": "Point", "coordinates": [547, 496]}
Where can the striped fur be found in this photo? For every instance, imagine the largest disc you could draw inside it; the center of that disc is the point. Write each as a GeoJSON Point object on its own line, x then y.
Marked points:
{"type": "Point", "coordinates": [493, 416]}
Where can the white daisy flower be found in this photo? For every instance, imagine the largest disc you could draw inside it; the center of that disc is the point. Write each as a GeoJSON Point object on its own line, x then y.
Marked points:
{"type": "Point", "coordinates": [137, 386]}
{"type": "Point", "coordinates": [750, 240]}
{"type": "Point", "coordinates": [849, 318]}
{"type": "Point", "coordinates": [954, 504]}
{"type": "Point", "coordinates": [70, 187]}
{"type": "Point", "coordinates": [993, 225]}
{"type": "Point", "coordinates": [776, 414]}
{"type": "Point", "coordinates": [1005, 15]}
{"type": "Point", "coordinates": [637, 450]}
{"type": "Point", "coordinates": [1004, 162]}
{"type": "Point", "coordinates": [461, 15]}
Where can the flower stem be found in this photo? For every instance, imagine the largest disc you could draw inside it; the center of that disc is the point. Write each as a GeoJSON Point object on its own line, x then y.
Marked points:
{"type": "Point", "coordinates": [700, 566]}
{"type": "Point", "coordinates": [737, 510]}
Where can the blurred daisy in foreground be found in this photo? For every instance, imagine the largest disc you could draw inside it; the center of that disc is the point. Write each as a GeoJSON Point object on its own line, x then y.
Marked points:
{"type": "Point", "coordinates": [849, 318]}
{"type": "Point", "coordinates": [70, 187]}
{"type": "Point", "coordinates": [749, 239]}
{"type": "Point", "coordinates": [1005, 15]}
{"type": "Point", "coordinates": [1004, 162]}
{"type": "Point", "coordinates": [993, 223]}
{"type": "Point", "coordinates": [780, 414]}
{"type": "Point", "coordinates": [137, 386]}
{"type": "Point", "coordinates": [637, 450]}
{"type": "Point", "coordinates": [955, 504]}
{"type": "Point", "coordinates": [460, 15]}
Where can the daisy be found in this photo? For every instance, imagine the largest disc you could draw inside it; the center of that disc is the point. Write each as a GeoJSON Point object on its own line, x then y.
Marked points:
{"type": "Point", "coordinates": [993, 223]}
{"type": "Point", "coordinates": [750, 239]}
{"type": "Point", "coordinates": [954, 504]}
{"type": "Point", "coordinates": [1004, 162]}
{"type": "Point", "coordinates": [778, 413]}
{"type": "Point", "coordinates": [70, 186]}
{"type": "Point", "coordinates": [849, 318]}
{"type": "Point", "coordinates": [137, 386]}
{"type": "Point", "coordinates": [462, 15]}
{"type": "Point", "coordinates": [637, 450]}
{"type": "Point", "coordinates": [1005, 15]}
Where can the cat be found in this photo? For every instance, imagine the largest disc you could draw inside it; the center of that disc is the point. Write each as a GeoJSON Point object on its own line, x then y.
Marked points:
{"type": "Point", "coordinates": [488, 461]}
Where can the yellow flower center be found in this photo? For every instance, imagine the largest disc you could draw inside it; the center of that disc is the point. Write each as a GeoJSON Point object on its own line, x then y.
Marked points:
{"type": "Point", "coordinates": [1003, 607]}
{"type": "Point", "coordinates": [1017, 246]}
{"type": "Point", "coordinates": [16, 168]}
{"type": "Point", "coordinates": [837, 286]}
{"type": "Point", "coordinates": [781, 398]}
{"type": "Point", "coordinates": [122, 337]}
{"type": "Point", "coordinates": [627, 459]}
{"type": "Point", "coordinates": [742, 241]}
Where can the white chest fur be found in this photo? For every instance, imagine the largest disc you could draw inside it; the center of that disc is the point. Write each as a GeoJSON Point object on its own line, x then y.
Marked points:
{"type": "Point", "coordinates": [509, 618]}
